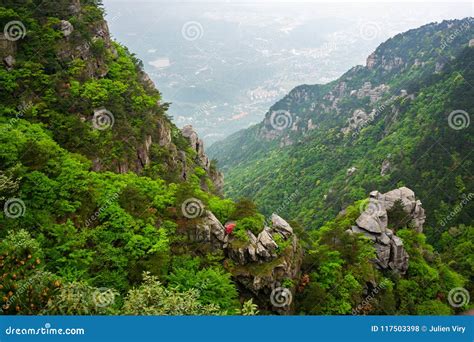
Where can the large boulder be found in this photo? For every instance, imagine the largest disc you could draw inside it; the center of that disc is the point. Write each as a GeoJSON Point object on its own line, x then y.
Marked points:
{"type": "Point", "coordinates": [208, 229]}
{"type": "Point", "coordinates": [262, 264]}
{"type": "Point", "coordinates": [66, 28]}
{"type": "Point", "coordinates": [281, 226]}
{"type": "Point", "coordinates": [373, 223]}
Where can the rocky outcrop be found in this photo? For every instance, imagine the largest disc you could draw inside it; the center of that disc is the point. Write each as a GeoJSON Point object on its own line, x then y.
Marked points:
{"type": "Point", "coordinates": [7, 51]}
{"type": "Point", "coordinates": [201, 158]}
{"type": "Point", "coordinates": [357, 121]}
{"type": "Point", "coordinates": [371, 61]}
{"type": "Point", "coordinates": [266, 261]}
{"type": "Point", "coordinates": [98, 34]}
{"type": "Point", "coordinates": [374, 224]}
{"type": "Point", "coordinates": [385, 168]}
{"type": "Point", "coordinates": [258, 265]}
{"type": "Point", "coordinates": [351, 171]}
{"type": "Point", "coordinates": [208, 230]}
{"type": "Point", "coordinates": [197, 145]}
{"type": "Point", "coordinates": [66, 28]}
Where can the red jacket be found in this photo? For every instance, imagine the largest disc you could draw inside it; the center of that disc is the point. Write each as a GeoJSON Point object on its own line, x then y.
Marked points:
{"type": "Point", "coordinates": [229, 228]}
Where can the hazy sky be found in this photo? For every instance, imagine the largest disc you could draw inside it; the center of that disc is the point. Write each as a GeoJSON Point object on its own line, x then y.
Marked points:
{"type": "Point", "coordinates": [222, 64]}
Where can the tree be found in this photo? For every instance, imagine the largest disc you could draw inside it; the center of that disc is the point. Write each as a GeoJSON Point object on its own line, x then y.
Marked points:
{"type": "Point", "coordinates": [152, 298]}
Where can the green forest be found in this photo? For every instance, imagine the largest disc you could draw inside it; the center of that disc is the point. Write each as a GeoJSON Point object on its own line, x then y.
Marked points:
{"type": "Point", "coordinates": [108, 208]}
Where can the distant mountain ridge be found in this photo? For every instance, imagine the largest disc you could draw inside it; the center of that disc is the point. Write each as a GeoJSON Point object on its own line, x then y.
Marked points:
{"type": "Point", "coordinates": [378, 125]}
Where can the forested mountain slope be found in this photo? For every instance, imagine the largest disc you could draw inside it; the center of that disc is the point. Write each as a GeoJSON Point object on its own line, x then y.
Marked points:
{"type": "Point", "coordinates": [403, 119]}
{"type": "Point", "coordinates": [109, 208]}
{"type": "Point", "coordinates": [103, 197]}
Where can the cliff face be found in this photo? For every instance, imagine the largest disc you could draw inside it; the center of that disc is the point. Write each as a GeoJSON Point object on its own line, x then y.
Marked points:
{"type": "Point", "coordinates": [135, 128]}
{"type": "Point", "coordinates": [266, 262]}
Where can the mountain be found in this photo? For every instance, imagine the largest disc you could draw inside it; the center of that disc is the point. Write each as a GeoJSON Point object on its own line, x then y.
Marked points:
{"type": "Point", "coordinates": [109, 208]}
{"type": "Point", "coordinates": [401, 120]}
{"type": "Point", "coordinates": [101, 192]}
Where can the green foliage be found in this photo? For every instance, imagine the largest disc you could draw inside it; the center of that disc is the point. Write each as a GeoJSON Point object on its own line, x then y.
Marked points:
{"type": "Point", "coordinates": [222, 208]}
{"type": "Point", "coordinates": [25, 287]}
{"type": "Point", "coordinates": [397, 216]}
{"type": "Point", "coordinates": [253, 223]}
{"type": "Point", "coordinates": [152, 298]}
{"type": "Point", "coordinates": [249, 308]}
{"type": "Point", "coordinates": [78, 298]}
{"type": "Point", "coordinates": [214, 285]}
{"type": "Point", "coordinates": [109, 224]}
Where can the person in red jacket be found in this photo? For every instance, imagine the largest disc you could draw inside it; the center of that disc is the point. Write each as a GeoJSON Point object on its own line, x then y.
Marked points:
{"type": "Point", "coordinates": [229, 228]}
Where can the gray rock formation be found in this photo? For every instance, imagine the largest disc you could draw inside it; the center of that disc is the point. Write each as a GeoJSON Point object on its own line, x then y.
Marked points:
{"type": "Point", "coordinates": [7, 51]}
{"type": "Point", "coordinates": [9, 62]}
{"type": "Point", "coordinates": [371, 61]}
{"type": "Point", "coordinates": [385, 168]}
{"type": "Point", "coordinates": [66, 28]}
{"type": "Point", "coordinates": [259, 264]}
{"type": "Point", "coordinates": [373, 223]}
{"type": "Point", "coordinates": [281, 226]}
{"type": "Point", "coordinates": [351, 171]}
{"type": "Point", "coordinates": [197, 144]}
{"type": "Point", "coordinates": [209, 230]}
{"type": "Point", "coordinates": [202, 159]}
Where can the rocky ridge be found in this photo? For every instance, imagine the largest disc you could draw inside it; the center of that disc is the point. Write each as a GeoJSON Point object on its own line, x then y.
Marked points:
{"type": "Point", "coordinates": [259, 265]}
